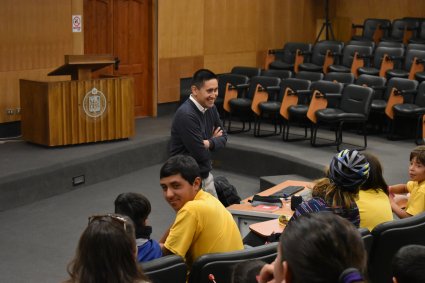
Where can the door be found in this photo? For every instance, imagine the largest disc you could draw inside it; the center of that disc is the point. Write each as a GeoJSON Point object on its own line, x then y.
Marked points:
{"type": "Point", "coordinates": [124, 28]}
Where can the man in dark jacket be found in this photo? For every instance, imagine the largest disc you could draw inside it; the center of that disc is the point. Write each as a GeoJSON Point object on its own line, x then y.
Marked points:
{"type": "Point", "coordinates": [197, 129]}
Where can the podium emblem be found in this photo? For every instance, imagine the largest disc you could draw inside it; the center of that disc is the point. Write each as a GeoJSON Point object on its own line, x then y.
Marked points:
{"type": "Point", "coordinates": [94, 103]}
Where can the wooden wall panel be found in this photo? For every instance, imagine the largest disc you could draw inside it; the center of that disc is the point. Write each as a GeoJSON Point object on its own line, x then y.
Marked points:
{"type": "Point", "coordinates": [230, 26]}
{"type": "Point", "coordinates": [225, 33]}
{"type": "Point", "coordinates": [170, 70]}
{"type": "Point", "coordinates": [223, 63]}
{"type": "Point", "coordinates": [34, 37]}
{"type": "Point", "coordinates": [181, 28]}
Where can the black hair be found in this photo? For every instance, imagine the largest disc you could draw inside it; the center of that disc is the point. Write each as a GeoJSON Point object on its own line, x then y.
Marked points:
{"type": "Point", "coordinates": [408, 264]}
{"type": "Point", "coordinates": [137, 207]}
{"type": "Point", "coordinates": [201, 76]}
{"type": "Point", "coordinates": [319, 247]}
{"type": "Point", "coordinates": [184, 165]}
{"type": "Point", "coordinates": [246, 271]}
{"type": "Point", "coordinates": [376, 179]}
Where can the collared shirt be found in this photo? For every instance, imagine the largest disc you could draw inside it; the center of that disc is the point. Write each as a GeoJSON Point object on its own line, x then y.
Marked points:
{"type": "Point", "coordinates": [199, 106]}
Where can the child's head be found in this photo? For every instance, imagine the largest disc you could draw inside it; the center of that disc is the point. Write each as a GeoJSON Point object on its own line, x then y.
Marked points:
{"type": "Point", "coordinates": [409, 264]}
{"type": "Point", "coordinates": [320, 247]}
{"type": "Point", "coordinates": [417, 164]}
{"type": "Point", "coordinates": [247, 271]}
{"type": "Point", "coordinates": [347, 171]}
{"type": "Point", "coordinates": [375, 180]}
{"type": "Point", "coordinates": [137, 207]}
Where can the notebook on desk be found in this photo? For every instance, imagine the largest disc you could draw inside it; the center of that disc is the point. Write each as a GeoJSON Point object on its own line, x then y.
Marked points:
{"type": "Point", "coordinates": [288, 191]}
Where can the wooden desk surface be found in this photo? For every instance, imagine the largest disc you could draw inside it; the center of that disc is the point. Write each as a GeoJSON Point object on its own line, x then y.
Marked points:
{"type": "Point", "coordinates": [246, 207]}
{"type": "Point", "coordinates": [266, 228]}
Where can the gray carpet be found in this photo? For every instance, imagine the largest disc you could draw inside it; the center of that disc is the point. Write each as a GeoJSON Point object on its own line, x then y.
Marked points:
{"type": "Point", "coordinates": [38, 239]}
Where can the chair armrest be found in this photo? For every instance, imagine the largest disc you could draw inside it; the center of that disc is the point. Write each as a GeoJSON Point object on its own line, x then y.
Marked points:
{"type": "Point", "coordinates": [273, 88]}
{"type": "Point", "coordinates": [332, 95]}
{"type": "Point", "coordinates": [306, 52]}
{"type": "Point", "coordinates": [242, 86]}
{"type": "Point", "coordinates": [378, 87]}
{"type": "Point", "coordinates": [364, 56]}
{"type": "Point", "coordinates": [357, 26]}
{"type": "Point", "coordinates": [412, 28]}
{"type": "Point", "coordinates": [304, 92]}
{"type": "Point", "coordinates": [274, 51]}
{"type": "Point", "coordinates": [406, 92]}
{"type": "Point", "coordinates": [396, 58]}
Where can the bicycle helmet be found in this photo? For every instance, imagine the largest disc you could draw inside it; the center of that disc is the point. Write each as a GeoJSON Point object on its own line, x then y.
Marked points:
{"type": "Point", "coordinates": [349, 169]}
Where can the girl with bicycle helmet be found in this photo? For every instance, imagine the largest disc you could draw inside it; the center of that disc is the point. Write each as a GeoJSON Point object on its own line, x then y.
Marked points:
{"type": "Point", "coordinates": [348, 170]}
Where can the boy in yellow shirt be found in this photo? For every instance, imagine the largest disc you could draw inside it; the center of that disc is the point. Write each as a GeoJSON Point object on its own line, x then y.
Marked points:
{"type": "Point", "coordinates": [416, 186]}
{"type": "Point", "coordinates": [202, 225]}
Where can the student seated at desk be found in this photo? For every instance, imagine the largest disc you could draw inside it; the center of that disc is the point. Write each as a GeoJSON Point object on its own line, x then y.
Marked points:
{"type": "Point", "coordinates": [336, 193]}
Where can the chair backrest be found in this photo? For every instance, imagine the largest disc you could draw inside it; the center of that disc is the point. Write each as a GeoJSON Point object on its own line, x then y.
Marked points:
{"type": "Point", "coordinates": [401, 84]}
{"type": "Point", "coordinates": [368, 43]}
{"type": "Point", "coordinates": [416, 46]}
{"type": "Point", "coordinates": [294, 84]}
{"type": "Point", "coordinates": [160, 270]}
{"type": "Point", "coordinates": [282, 74]}
{"type": "Point", "coordinates": [263, 81]}
{"type": "Point", "coordinates": [350, 50]}
{"type": "Point", "coordinates": [371, 24]}
{"type": "Point", "coordinates": [356, 99]}
{"type": "Point", "coordinates": [388, 238]}
{"type": "Point", "coordinates": [247, 71]}
{"type": "Point", "coordinates": [420, 95]}
{"type": "Point", "coordinates": [393, 44]}
{"type": "Point", "coordinates": [290, 49]}
{"type": "Point", "coordinates": [413, 24]}
{"type": "Point", "coordinates": [221, 264]}
{"type": "Point", "coordinates": [328, 87]}
{"type": "Point", "coordinates": [373, 82]}
{"type": "Point", "coordinates": [422, 31]}
{"type": "Point", "coordinates": [320, 49]}
{"type": "Point", "coordinates": [345, 78]}
{"type": "Point", "coordinates": [311, 76]}
{"type": "Point", "coordinates": [367, 239]}
{"type": "Point", "coordinates": [233, 79]}
{"type": "Point", "coordinates": [381, 51]}
{"type": "Point", "coordinates": [397, 29]}
{"type": "Point", "coordinates": [410, 56]}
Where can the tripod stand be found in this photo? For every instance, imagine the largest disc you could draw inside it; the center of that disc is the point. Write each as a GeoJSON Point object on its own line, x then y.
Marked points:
{"type": "Point", "coordinates": [327, 26]}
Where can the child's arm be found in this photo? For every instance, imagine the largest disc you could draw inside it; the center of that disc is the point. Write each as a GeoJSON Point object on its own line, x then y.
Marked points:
{"type": "Point", "coordinates": [397, 209]}
{"type": "Point", "coordinates": [398, 189]}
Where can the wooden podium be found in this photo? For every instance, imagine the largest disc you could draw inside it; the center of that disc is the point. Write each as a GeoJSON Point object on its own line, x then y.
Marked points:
{"type": "Point", "coordinates": [82, 110]}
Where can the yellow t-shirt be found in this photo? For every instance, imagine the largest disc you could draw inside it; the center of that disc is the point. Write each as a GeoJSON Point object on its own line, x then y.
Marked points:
{"type": "Point", "coordinates": [416, 202]}
{"type": "Point", "coordinates": [203, 226]}
{"type": "Point", "coordinates": [374, 208]}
